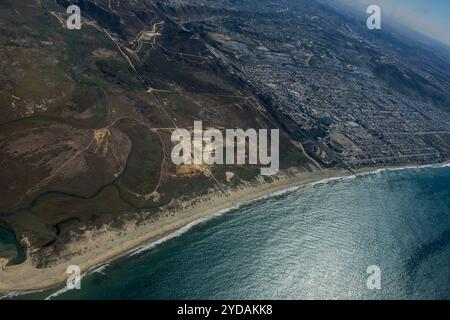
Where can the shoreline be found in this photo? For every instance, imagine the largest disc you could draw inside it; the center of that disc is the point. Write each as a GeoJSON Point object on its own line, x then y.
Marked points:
{"type": "Point", "coordinates": [102, 246]}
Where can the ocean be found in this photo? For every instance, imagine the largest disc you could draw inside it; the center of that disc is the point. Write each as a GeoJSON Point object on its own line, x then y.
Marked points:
{"type": "Point", "coordinates": [315, 242]}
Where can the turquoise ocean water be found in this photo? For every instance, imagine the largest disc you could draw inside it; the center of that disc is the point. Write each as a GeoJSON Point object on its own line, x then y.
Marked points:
{"type": "Point", "coordinates": [314, 242]}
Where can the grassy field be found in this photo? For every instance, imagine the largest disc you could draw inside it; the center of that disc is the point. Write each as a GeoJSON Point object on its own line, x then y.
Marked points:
{"type": "Point", "coordinates": [143, 169]}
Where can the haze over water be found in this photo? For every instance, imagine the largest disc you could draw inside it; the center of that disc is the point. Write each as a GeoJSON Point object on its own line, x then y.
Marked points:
{"type": "Point", "coordinates": [315, 242]}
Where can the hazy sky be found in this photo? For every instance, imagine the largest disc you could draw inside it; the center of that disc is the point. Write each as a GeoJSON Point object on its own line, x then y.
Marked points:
{"type": "Point", "coordinates": [431, 17]}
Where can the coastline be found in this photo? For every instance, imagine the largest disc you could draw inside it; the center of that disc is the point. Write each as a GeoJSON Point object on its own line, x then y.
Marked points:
{"type": "Point", "coordinates": [99, 247]}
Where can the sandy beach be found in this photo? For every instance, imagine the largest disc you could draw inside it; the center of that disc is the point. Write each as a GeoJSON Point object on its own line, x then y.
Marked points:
{"type": "Point", "coordinates": [100, 246]}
